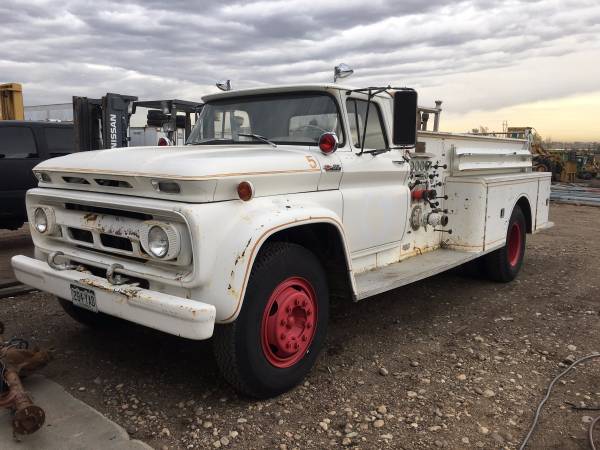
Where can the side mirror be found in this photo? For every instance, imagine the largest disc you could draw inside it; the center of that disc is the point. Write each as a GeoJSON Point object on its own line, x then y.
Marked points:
{"type": "Point", "coordinates": [405, 118]}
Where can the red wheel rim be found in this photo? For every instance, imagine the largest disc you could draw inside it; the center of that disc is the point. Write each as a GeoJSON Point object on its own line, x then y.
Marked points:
{"type": "Point", "coordinates": [514, 244]}
{"type": "Point", "coordinates": [289, 322]}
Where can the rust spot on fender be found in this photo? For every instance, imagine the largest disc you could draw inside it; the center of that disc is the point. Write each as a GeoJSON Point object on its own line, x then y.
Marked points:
{"type": "Point", "coordinates": [232, 291]}
{"type": "Point", "coordinates": [241, 255]}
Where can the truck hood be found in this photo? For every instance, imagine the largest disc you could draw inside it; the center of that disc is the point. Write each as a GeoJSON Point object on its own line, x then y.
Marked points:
{"type": "Point", "coordinates": [203, 173]}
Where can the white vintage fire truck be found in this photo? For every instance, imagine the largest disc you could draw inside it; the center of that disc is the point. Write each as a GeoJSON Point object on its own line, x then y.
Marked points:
{"type": "Point", "coordinates": [283, 199]}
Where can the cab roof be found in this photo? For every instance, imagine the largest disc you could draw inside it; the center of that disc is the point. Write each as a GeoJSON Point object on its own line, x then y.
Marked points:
{"type": "Point", "coordinates": [276, 89]}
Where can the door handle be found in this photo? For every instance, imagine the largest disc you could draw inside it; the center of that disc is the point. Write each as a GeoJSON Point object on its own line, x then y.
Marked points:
{"type": "Point", "coordinates": [399, 161]}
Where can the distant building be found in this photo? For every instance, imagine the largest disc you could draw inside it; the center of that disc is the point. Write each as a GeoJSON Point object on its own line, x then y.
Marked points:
{"type": "Point", "coordinates": [59, 112]}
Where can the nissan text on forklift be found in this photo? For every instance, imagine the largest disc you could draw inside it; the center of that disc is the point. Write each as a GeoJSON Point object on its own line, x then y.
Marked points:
{"type": "Point", "coordinates": [284, 199]}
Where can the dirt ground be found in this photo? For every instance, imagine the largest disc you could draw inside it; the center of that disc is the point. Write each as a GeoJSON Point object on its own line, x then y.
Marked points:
{"type": "Point", "coordinates": [453, 362]}
{"type": "Point", "coordinates": [13, 243]}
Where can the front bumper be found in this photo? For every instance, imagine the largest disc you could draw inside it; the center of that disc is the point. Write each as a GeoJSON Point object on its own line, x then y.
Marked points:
{"type": "Point", "coordinates": [174, 315]}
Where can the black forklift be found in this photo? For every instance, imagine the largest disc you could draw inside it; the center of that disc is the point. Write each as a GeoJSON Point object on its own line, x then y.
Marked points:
{"type": "Point", "coordinates": [102, 123]}
{"type": "Point", "coordinates": [98, 123]}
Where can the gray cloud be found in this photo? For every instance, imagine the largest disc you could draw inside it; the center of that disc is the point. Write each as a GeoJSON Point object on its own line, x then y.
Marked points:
{"type": "Point", "coordinates": [179, 48]}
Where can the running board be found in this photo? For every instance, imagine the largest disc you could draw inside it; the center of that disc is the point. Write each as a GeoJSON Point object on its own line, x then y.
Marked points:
{"type": "Point", "coordinates": [410, 270]}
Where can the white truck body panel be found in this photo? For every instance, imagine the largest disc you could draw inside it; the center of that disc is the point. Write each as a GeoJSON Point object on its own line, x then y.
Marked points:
{"type": "Point", "coordinates": [366, 199]}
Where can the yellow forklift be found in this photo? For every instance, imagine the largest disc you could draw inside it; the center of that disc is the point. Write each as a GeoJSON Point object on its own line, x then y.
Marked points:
{"type": "Point", "coordinates": [11, 102]}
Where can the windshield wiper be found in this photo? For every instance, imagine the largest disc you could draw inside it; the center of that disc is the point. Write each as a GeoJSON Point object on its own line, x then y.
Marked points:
{"type": "Point", "coordinates": [210, 141]}
{"type": "Point", "coordinates": [259, 137]}
{"type": "Point", "coordinates": [377, 151]}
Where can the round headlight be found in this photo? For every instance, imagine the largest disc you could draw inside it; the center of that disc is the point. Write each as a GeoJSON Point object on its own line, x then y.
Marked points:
{"type": "Point", "coordinates": [158, 241]}
{"type": "Point", "coordinates": [40, 220]}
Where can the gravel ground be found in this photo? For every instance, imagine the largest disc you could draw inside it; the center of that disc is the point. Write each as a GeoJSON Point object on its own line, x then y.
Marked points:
{"type": "Point", "coordinates": [452, 362]}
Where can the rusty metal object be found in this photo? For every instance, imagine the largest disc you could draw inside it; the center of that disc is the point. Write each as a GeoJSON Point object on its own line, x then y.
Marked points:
{"type": "Point", "coordinates": [15, 360]}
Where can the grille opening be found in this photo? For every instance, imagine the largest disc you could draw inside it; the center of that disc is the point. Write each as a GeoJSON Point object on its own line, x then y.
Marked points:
{"type": "Point", "coordinates": [81, 235]}
{"type": "Point", "coordinates": [117, 242]}
{"type": "Point", "coordinates": [109, 211]}
{"type": "Point", "coordinates": [75, 180]}
{"type": "Point", "coordinates": [112, 254]}
{"type": "Point", "coordinates": [112, 183]}
{"type": "Point", "coordinates": [97, 271]}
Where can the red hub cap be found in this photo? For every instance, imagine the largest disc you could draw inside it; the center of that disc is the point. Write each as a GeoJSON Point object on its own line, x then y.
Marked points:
{"type": "Point", "coordinates": [514, 244]}
{"type": "Point", "coordinates": [289, 322]}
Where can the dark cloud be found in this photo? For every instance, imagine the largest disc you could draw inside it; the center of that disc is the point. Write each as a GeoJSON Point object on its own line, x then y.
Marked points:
{"type": "Point", "coordinates": [178, 48]}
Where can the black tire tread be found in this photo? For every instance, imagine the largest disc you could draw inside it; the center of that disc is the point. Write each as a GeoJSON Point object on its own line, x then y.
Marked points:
{"type": "Point", "coordinates": [224, 335]}
{"type": "Point", "coordinates": [87, 318]}
{"type": "Point", "coordinates": [495, 262]}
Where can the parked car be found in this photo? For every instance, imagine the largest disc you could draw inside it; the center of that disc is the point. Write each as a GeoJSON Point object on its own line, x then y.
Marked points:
{"type": "Point", "coordinates": [23, 145]}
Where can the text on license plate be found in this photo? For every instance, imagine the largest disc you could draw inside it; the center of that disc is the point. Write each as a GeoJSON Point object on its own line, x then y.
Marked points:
{"type": "Point", "coordinates": [84, 298]}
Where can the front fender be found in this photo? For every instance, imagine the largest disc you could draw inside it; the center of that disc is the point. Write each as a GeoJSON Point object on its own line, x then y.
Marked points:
{"type": "Point", "coordinates": [229, 235]}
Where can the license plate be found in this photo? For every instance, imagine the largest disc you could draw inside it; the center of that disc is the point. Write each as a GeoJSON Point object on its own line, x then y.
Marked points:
{"type": "Point", "coordinates": [84, 298]}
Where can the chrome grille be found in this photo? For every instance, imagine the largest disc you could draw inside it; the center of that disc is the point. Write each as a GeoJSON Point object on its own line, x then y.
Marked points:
{"type": "Point", "coordinates": [113, 231]}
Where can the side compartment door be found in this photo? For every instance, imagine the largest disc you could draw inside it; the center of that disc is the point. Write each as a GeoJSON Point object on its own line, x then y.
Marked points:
{"type": "Point", "coordinates": [374, 188]}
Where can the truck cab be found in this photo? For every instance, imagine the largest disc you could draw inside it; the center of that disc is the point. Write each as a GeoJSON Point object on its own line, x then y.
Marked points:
{"type": "Point", "coordinates": [283, 200]}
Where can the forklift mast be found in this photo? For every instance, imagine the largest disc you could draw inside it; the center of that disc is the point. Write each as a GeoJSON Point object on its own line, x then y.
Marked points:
{"type": "Point", "coordinates": [101, 122]}
{"type": "Point", "coordinates": [104, 122]}
{"type": "Point", "coordinates": [11, 102]}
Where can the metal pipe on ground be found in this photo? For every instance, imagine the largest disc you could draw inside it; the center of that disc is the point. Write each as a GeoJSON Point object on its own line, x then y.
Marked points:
{"type": "Point", "coordinates": [579, 195]}
{"type": "Point", "coordinates": [17, 359]}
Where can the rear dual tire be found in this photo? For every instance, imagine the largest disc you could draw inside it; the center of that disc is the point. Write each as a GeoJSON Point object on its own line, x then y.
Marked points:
{"type": "Point", "coordinates": [503, 265]}
{"type": "Point", "coordinates": [281, 328]}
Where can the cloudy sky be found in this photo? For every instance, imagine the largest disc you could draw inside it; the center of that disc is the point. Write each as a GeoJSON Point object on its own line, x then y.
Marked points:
{"type": "Point", "coordinates": [528, 62]}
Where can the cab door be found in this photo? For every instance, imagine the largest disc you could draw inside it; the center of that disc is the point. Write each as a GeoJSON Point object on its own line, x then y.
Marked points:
{"type": "Point", "coordinates": [374, 187]}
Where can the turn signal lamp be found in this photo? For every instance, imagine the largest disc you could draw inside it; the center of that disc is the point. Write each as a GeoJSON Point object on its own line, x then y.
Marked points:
{"type": "Point", "coordinates": [245, 191]}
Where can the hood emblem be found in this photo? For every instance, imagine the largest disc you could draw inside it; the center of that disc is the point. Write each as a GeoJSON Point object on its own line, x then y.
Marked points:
{"type": "Point", "coordinates": [332, 167]}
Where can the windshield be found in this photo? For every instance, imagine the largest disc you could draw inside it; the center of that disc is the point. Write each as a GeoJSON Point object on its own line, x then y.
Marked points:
{"type": "Point", "coordinates": [282, 119]}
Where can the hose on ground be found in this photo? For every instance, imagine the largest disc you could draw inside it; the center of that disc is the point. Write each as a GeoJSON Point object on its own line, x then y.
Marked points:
{"type": "Point", "coordinates": [548, 391]}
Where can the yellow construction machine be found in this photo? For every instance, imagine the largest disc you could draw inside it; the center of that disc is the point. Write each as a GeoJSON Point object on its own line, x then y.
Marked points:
{"type": "Point", "coordinates": [562, 165]}
{"type": "Point", "coordinates": [11, 102]}
{"type": "Point", "coordinates": [588, 166]}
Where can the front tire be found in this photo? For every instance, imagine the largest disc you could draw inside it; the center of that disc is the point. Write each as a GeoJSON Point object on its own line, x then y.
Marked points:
{"type": "Point", "coordinates": [275, 341]}
{"type": "Point", "coordinates": [504, 264]}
